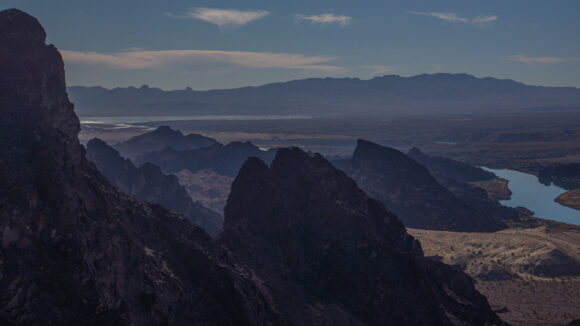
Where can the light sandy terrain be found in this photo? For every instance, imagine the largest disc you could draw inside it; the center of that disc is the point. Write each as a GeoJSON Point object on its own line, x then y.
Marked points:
{"type": "Point", "coordinates": [531, 277]}
{"type": "Point", "coordinates": [570, 198]}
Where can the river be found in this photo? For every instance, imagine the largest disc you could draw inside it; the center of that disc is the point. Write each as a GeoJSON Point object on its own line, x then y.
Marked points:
{"type": "Point", "coordinates": [528, 192]}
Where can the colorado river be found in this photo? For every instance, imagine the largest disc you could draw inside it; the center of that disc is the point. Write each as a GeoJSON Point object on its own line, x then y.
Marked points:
{"type": "Point", "coordinates": [528, 192]}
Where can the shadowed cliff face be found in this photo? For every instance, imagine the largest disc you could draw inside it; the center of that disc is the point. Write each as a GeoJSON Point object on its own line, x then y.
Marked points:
{"type": "Point", "coordinates": [410, 191]}
{"type": "Point", "coordinates": [328, 254]}
{"type": "Point", "coordinates": [457, 177]}
{"type": "Point", "coordinates": [302, 244]}
{"type": "Point", "coordinates": [74, 249]}
{"type": "Point", "coordinates": [147, 183]}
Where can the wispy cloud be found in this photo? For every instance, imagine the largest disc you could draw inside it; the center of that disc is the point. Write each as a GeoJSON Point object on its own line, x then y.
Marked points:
{"type": "Point", "coordinates": [223, 18]}
{"type": "Point", "coordinates": [135, 60]}
{"type": "Point", "coordinates": [484, 19]}
{"type": "Point", "coordinates": [379, 70]}
{"type": "Point", "coordinates": [537, 60]}
{"type": "Point", "coordinates": [453, 17]}
{"type": "Point", "coordinates": [325, 19]}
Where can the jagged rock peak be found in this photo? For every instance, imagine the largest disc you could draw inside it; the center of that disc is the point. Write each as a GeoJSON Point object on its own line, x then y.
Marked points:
{"type": "Point", "coordinates": [18, 26]}
{"type": "Point", "coordinates": [328, 254]}
{"type": "Point", "coordinates": [33, 80]}
{"type": "Point", "coordinates": [365, 148]}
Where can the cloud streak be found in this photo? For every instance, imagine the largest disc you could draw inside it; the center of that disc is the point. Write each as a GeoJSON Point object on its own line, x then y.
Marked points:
{"type": "Point", "coordinates": [325, 19]}
{"type": "Point", "coordinates": [537, 60]}
{"type": "Point", "coordinates": [137, 60]}
{"type": "Point", "coordinates": [223, 18]}
{"type": "Point", "coordinates": [455, 18]}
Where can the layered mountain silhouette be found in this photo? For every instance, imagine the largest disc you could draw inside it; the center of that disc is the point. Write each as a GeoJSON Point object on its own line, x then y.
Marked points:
{"type": "Point", "coordinates": [222, 159]}
{"type": "Point", "coordinates": [302, 243]}
{"type": "Point", "coordinates": [410, 191]}
{"type": "Point", "coordinates": [384, 96]}
{"type": "Point", "coordinates": [147, 183]}
{"type": "Point", "coordinates": [161, 138]}
{"type": "Point", "coordinates": [328, 254]}
{"type": "Point", "coordinates": [458, 178]}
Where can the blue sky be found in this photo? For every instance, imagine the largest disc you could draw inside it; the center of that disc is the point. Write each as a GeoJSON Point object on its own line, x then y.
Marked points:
{"type": "Point", "coordinates": [223, 44]}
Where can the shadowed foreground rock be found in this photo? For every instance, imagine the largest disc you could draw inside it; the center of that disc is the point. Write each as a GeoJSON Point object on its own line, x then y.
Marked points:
{"type": "Point", "coordinates": [302, 245]}
{"type": "Point", "coordinates": [74, 249]}
{"type": "Point", "coordinates": [328, 254]}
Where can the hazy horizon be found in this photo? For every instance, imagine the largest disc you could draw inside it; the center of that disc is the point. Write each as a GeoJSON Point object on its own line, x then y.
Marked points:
{"type": "Point", "coordinates": [314, 77]}
{"type": "Point", "coordinates": [226, 44]}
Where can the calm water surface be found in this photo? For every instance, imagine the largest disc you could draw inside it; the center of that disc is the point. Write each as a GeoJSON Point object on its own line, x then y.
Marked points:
{"type": "Point", "coordinates": [528, 192]}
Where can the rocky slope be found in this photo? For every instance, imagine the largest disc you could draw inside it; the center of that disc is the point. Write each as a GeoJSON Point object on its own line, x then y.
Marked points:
{"type": "Point", "coordinates": [302, 244]}
{"type": "Point", "coordinates": [74, 249]}
{"type": "Point", "coordinates": [449, 168]}
{"type": "Point", "coordinates": [410, 191]}
{"type": "Point", "coordinates": [159, 139]}
{"type": "Point", "coordinates": [147, 183]}
{"type": "Point", "coordinates": [222, 159]}
{"type": "Point", "coordinates": [472, 185]}
{"type": "Point", "coordinates": [328, 254]}
{"type": "Point", "coordinates": [207, 187]}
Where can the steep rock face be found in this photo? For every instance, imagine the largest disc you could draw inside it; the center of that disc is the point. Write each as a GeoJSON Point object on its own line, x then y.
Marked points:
{"type": "Point", "coordinates": [222, 159]}
{"type": "Point", "coordinates": [161, 138]}
{"type": "Point", "coordinates": [458, 177]}
{"type": "Point", "coordinates": [410, 191]}
{"type": "Point", "coordinates": [75, 250]}
{"type": "Point", "coordinates": [327, 254]}
{"type": "Point", "coordinates": [147, 183]}
{"type": "Point", "coordinates": [447, 167]}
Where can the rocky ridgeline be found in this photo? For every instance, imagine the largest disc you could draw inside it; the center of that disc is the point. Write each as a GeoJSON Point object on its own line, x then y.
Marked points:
{"type": "Point", "coordinates": [302, 244]}
{"type": "Point", "coordinates": [147, 183]}
{"type": "Point", "coordinates": [410, 191]}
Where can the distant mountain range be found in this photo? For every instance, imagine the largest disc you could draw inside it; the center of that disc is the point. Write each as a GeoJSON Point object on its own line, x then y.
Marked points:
{"type": "Point", "coordinates": [389, 95]}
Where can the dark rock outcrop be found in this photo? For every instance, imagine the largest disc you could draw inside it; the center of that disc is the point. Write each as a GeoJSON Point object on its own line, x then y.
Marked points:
{"type": "Point", "coordinates": [457, 177]}
{"type": "Point", "coordinates": [222, 159]}
{"type": "Point", "coordinates": [74, 250]}
{"type": "Point", "coordinates": [566, 176]}
{"type": "Point", "coordinates": [327, 254]}
{"type": "Point", "coordinates": [161, 138]}
{"type": "Point", "coordinates": [302, 243]}
{"type": "Point", "coordinates": [450, 168]}
{"type": "Point", "coordinates": [410, 191]}
{"type": "Point", "coordinates": [147, 183]}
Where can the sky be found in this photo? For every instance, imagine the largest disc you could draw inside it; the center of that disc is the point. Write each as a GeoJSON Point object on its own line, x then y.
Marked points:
{"type": "Point", "coordinates": [175, 44]}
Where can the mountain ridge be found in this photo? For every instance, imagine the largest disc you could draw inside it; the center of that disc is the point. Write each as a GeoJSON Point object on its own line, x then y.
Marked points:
{"type": "Point", "coordinates": [389, 95]}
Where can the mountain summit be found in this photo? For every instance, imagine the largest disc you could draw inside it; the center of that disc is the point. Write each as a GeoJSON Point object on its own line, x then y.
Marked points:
{"type": "Point", "coordinates": [74, 249]}
{"type": "Point", "coordinates": [329, 255]}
